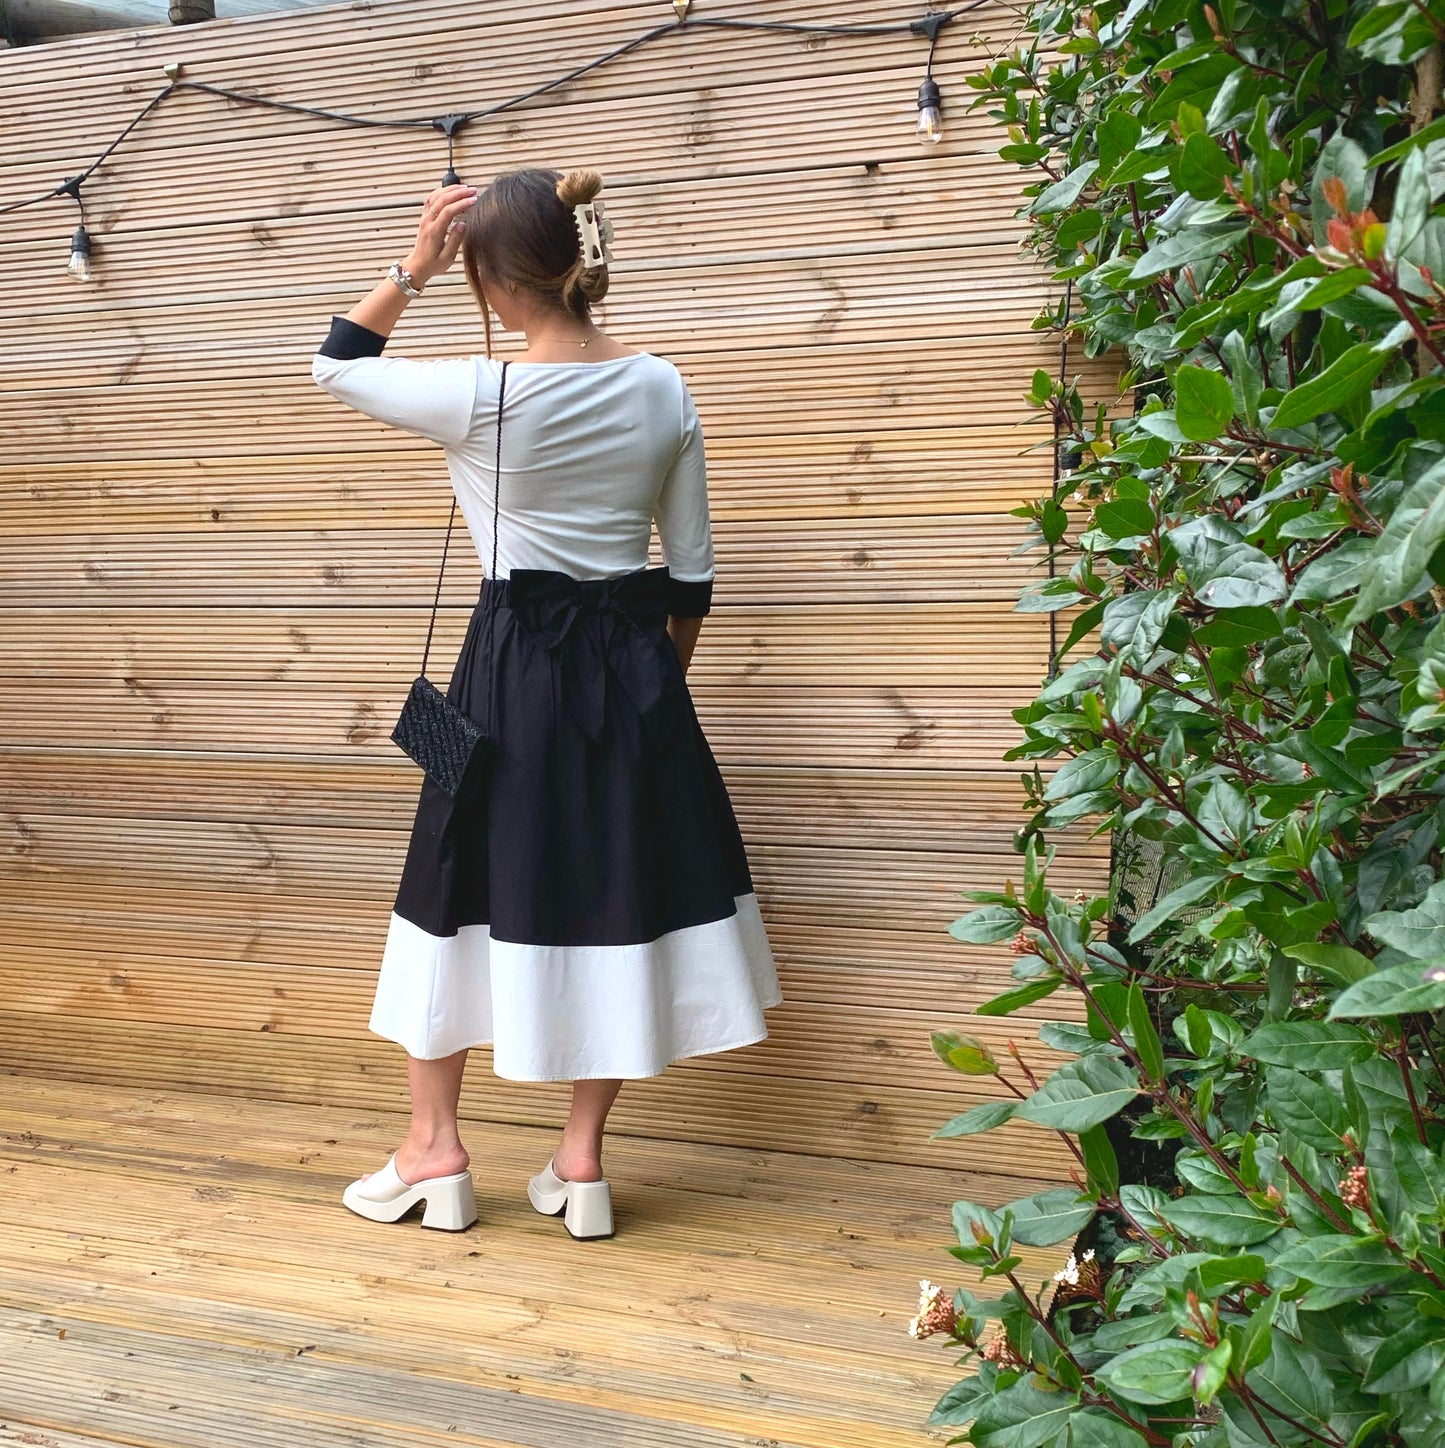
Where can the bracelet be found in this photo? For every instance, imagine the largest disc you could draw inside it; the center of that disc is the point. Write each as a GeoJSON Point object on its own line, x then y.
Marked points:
{"type": "Point", "coordinates": [399, 274]}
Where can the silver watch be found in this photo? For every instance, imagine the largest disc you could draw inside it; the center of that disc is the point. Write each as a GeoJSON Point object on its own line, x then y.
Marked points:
{"type": "Point", "coordinates": [399, 274]}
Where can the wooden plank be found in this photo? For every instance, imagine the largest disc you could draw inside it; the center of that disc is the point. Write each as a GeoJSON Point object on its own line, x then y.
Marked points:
{"type": "Point", "coordinates": [828, 725]}
{"type": "Point", "coordinates": [303, 951]}
{"type": "Point", "coordinates": [808, 643]}
{"type": "Point", "coordinates": [954, 813]}
{"type": "Point", "coordinates": [873, 561]}
{"type": "Point", "coordinates": [696, 1100]}
{"type": "Point", "coordinates": [227, 1296]}
{"type": "Point", "coordinates": [217, 575]}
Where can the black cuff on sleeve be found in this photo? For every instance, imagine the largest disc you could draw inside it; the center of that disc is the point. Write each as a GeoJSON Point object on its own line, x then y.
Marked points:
{"type": "Point", "coordinates": [348, 339]}
{"type": "Point", "coordinates": [689, 598]}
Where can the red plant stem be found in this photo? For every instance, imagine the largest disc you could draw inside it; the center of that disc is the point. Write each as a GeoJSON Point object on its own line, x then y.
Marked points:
{"type": "Point", "coordinates": [1162, 785]}
{"type": "Point", "coordinates": [1248, 1400]}
{"type": "Point", "coordinates": [1402, 1057]}
{"type": "Point", "coordinates": [1293, 572]}
{"type": "Point", "coordinates": [1173, 688]}
{"type": "Point", "coordinates": [1115, 1205]}
{"type": "Point", "coordinates": [1314, 1196]}
{"type": "Point", "coordinates": [1062, 1135]}
{"type": "Point", "coordinates": [1250, 1397]}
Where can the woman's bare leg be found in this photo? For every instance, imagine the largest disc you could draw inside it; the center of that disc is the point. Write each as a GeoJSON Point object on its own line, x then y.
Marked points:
{"type": "Point", "coordinates": [433, 1146]}
{"type": "Point", "coordinates": [579, 1157]}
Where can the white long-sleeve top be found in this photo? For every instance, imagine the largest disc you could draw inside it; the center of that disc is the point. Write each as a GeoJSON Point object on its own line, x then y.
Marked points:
{"type": "Point", "coordinates": [592, 454]}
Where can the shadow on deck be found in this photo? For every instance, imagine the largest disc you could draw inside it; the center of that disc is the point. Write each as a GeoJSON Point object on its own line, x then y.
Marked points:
{"type": "Point", "coordinates": [177, 1269]}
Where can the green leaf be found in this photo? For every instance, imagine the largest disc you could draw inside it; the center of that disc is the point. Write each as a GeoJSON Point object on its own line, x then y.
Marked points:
{"type": "Point", "coordinates": [1081, 1094]}
{"type": "Point", "coordinates": [1050, 1217]}
{"type": "Point", "coordinates": [1186, 894]}
{"type": "Point", "coordinates": [1094, 769]}
{"type": "Point", "coordinates": [1154, 1373]}
{"type": "Point", "coordinates": [1203, 401]}
{"type": "Point", "coordinates": [1100, 1161]}
{"type": "Point", "coordinates": [1146, 1038]}
{"type": "Point", "coordinates": [1308, 1045]}
{"type": "Point", "coordinates": [1407, 1359]}
{"type": "Point", "coordinates": [1411, 208]}
{"type": "Point", "coordinates": [1224, 1221]}
{"type": "Point", "coordinates": [1290, 1380]}
{"type": "Point", "coordinates": [967, 1215]}
{"type": "Point", "coordinates": [959, 1404]}
{"type": "Point", "coordinates": [1341, 1261]}
{"type": "Point", "coordinates": [1398, 562]}
{"type": "Point", "coordinates": [1252, 1339]}
{"type": "Point", "coordinates": [1404, 1173]}
{"type": "Point", "coordinates": [1124, 517]}
{"type": "Point", "coordinates": [1201, 166]}
{"type": "Point", "coordinates": [1340, 383]}
{"type": "Point", "coordinates": [1338, 963]}
{"type": "Point", "coordinates": [986, 924]}
{"type": "Point", "coordinates": [1015, 1000]}
{"type": "Point", "coordinates": [1220, 1273]}
{"type": "Point", "coordinates": [1235, 627]}
{"type": "Point", "coordinates": [984, 1117]}
{"type": "Point", "coordinates": [1022, 1416]}
{"type": "Point", "coordinates": [1224, 570]}
{"type": "Point", "coordinates": [1065, 192]}
{"type": "Point", "coordinates": [966, 1054]}
{"type": "Point", "coordinates": [1419, 932]}
{"type": "Point", "coordinates": [1090, 1429]}
{"type": "Point", "coordinates": [1397, 990]}
{"type": "Point", "coordinates": [1152, 630]}
{"type": "Point", "coordinates": [1301, 1105]}
{"type": "Point", "coordinates": [1197, 244]}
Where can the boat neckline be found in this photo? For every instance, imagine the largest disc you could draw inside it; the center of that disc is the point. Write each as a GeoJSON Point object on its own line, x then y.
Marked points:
{"type": "Point", "coordinates": [580, 362]}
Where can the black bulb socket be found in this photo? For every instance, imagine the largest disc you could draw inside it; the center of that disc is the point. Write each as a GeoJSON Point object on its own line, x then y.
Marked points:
{"type": "Point", "coordinates": [929, 93]}
{"type": "Point", "coordinates": [80, 242]}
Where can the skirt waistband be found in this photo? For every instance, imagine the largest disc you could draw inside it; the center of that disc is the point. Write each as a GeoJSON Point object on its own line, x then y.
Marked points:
{"type": "Point", "coordinates": [638, 586]}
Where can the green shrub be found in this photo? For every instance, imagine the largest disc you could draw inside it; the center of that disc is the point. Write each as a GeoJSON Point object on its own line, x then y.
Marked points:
{"type": "Point", "coordinates": [1242, 199]}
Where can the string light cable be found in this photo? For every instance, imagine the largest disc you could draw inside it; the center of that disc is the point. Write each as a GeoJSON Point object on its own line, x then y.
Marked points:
{"type": "Point", "coordinates": [929, 126]}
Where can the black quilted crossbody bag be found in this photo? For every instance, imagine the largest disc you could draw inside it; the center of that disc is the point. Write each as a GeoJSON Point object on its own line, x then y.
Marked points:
{"type": "Point", "coordinates": [449, 745]}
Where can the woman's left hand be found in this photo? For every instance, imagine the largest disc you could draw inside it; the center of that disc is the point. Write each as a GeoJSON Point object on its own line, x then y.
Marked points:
{"type": "Point", "coordinates": [439, 233]}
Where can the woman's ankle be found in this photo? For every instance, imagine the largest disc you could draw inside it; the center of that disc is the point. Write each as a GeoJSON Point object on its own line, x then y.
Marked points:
{"type": "Point", "coordinates": [578, 1162]}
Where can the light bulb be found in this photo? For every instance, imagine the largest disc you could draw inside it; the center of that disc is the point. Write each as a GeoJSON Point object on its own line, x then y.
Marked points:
{"type": "Point", "coordinates": [930, 112]}
{"type": "Point", "coordinates": [80, 255]}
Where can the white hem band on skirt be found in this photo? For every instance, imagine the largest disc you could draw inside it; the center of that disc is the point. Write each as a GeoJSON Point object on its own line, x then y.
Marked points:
{"type": "Point", "coordinates": [630, 1010]}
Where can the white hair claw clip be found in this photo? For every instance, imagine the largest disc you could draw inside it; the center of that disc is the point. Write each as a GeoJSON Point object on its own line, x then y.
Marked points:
{"type": "Point", "coordinates": [595, 232]}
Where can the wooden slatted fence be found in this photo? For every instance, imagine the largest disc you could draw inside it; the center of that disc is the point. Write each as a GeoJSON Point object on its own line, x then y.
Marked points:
{"type": "Point", "coordinates": [215, 576]}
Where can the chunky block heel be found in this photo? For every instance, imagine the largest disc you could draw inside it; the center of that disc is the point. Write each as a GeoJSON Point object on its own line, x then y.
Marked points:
{"type": "Point", "coordinates": [587, 1205]}
{"type": "Point", "coordinates": [451, 1201]}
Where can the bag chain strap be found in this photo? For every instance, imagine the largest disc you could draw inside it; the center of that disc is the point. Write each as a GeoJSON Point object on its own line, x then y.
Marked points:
{"type": "Point", "coordinates": [496, 506]}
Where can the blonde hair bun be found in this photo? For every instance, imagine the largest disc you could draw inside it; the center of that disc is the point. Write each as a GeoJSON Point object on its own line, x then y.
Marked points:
{"type": "Point", "coordinates": [578, 186]}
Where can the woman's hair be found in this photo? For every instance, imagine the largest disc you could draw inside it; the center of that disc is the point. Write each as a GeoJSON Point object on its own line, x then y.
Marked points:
{"type": "Point", "coordinates": [522, 229]}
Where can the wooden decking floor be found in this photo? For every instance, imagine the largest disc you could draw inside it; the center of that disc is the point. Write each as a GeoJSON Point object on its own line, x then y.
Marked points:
{"type": "Point", "coordinates": [177, 1270]}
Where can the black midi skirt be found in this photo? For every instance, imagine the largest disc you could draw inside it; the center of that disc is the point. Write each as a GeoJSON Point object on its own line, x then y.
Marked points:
{"type": "Point", "coordinates": [589, 912]}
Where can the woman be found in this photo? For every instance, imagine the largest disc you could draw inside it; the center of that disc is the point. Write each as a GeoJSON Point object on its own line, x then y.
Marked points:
{"type": "Point", "coordinates": [591, 915]}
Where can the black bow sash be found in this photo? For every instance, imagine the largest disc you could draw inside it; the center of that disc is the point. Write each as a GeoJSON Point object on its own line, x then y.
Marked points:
{"type": "Point", "coordinates": [600, 632]}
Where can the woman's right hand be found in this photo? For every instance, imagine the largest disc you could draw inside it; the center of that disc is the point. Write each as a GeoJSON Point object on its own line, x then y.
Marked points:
{"type": "Point", "coordinates": [439, 232]}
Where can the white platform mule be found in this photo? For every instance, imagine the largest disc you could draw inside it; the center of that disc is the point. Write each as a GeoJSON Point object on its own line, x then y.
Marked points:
{"type": "Point", "coordinates": [588, 1205]}
{"type": "Point", "coordinates": [451, 1201]}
